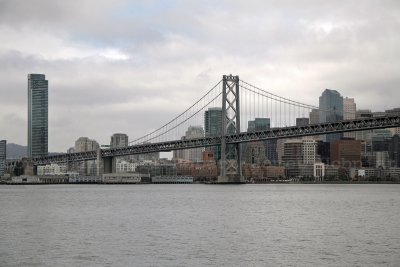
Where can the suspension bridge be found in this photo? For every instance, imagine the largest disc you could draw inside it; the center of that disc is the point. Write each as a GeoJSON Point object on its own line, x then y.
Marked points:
{"type": "Point", "coordinates": [236, 105]}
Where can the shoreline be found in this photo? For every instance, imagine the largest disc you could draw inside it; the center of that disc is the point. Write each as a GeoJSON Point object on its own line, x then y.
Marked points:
{"type": "Point", "coordinates": [212, 183]}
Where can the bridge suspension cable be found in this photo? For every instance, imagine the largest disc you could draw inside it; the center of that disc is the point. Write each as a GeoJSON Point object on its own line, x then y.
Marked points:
{"type": "Point", "coordinates": [273, 110]}
{"type": "Point", "coordinates": [273, 96]}
{"type": "Point", "coordinates": [255, 103]}
{"type": "Point", "coordinates": [191, 116]}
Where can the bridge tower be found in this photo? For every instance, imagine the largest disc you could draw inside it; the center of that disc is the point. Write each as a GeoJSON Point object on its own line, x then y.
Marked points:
{"type": "Point", "coordinates": [230, 167]}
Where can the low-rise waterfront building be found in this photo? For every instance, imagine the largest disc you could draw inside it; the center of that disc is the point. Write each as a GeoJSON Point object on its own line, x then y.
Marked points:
{"type": "Point", "coordinates": [391, 174]}
{"type": "Point", "coordinates": [362, 174]}
{"type": "Point", "coordinates": [319, 171]}
{"type": "Point", "coordinates": [125, 166]}
{"type": "Point", "coordinates": [274, 172]}
{"type": "Point", "coordinates": [47, 179]}
{"type": "Point", "coordinates": [81, 179]}
{"type": "Point", "coordinates": [52, 169]}
{"type": "Point", "coordinates": [261, 174]}
{"type": "Point", "coordinates": [331, 172]}
{"type": "Point", "coordinates": [174, 179]}
{"type": "Point", "coordinates": [381, 159]}
{"type": "Point", "coordinates": [25, 179]}
{"type": "Point", "coordinates": [123, 178]}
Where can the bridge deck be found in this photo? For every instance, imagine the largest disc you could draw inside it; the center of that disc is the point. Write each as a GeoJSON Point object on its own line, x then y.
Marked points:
{"type": "Point", "coordinates": [275, 133]}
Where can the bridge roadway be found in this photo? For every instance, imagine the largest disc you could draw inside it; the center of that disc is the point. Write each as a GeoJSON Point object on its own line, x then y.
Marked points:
{"type": "Point", "coordinates": [274, 133]}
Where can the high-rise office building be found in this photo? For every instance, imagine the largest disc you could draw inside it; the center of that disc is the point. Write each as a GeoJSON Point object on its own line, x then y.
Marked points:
{"type": "Point", "coordinates": [119, 140]}
{"type": "Point", "coordinates": [300, 150]}
{"type": "Point", "coordinates": [390, 112]}
{"type": "Point", "coordinates": [259, 124]}
{"type": "Point", "coordinates": [299, 155]}
{"type": "Point", "coordinates": [37, 115]}
{"type": "Point", "coordinates": [365, 135]}
{"type": "Point", "coordinates": [293, 151]}
{"type": "Point", "coordinates": [154, 156]}
{"type": "Point", "coordinates": [84, 144]}
{"type": "Point", "coordinates": [271, 151]}
{"type": "Point", "coordinates": [256, 152]}
{"type": "Point", "coordinates": [192, 154]}
{"type": "Point", "coordinates": [314, 116]}
{"type": "Point", "coordinates": [213, 127]}
{"type": "Point", "coordinates": [309, 150]}
{"type": "Point", "coordinates": [3, 150]}
{"type": "Point", "coordinates": [302, 122]}
{"type": "Point", "coordinates": [213, 121]}
{"type": "Point", "coordinates": [349, 113]}
{"type": "Point", "coordinates": [394, 151]}
{"type": "Point", "coordinates": [346, 153]}
{"type": "Point", "coordinates": [292, 156]}
{"type": "Point", "coordinates": [349, 108]}
{"type": "Point", "coordinates": [331, 110]}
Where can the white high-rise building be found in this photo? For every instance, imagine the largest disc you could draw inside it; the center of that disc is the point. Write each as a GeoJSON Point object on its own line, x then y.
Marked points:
{"type": "Point", "coordinates": [349, 113]}
{"type": "Point", "coordinates": [349, 109]}
{"type": "Point", "coordinates": [309, 150]}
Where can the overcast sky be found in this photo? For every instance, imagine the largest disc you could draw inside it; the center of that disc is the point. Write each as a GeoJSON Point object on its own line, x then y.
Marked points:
{"type": "Point", "coordinates": [121, 66]}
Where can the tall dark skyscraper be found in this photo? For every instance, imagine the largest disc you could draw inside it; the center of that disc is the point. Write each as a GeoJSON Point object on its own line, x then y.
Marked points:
{"type": "Point", "coordinates": [38, 117]}
{"type": "Point", "coordinates": [213, 121]}
{"type": "Point", "coordinates": [259, 124]}
{"type": "Point", "coordinates": [213, 127]}
{"type": "Point", "coordinates": [331, 110]}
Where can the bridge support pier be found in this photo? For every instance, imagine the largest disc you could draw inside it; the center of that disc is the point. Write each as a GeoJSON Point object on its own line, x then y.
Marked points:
{"type": "Point", "coordinates": [108, 165]}
{"type": "Point", "coordinates": [230, 168]}
{"type": "Point", "coordinates": [105, 165]}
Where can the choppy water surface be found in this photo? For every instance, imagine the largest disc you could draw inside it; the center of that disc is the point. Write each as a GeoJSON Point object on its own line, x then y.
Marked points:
{"type": "Point", "coordinates": [200, 225]}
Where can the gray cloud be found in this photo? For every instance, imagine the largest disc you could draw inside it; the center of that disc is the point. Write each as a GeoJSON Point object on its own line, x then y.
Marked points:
{"type": "Point", "coordinates": [121, 66]}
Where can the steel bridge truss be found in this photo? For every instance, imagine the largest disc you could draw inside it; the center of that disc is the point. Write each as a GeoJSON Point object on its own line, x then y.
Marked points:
{"type": "Point", "coordinates": [275, 133]}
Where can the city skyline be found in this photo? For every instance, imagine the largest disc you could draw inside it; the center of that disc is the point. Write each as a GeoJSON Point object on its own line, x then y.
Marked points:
{"type": "Point", "coordinates": [111, 79]}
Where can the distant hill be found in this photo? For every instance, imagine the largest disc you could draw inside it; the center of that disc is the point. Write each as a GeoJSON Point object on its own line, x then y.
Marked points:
{"type": "Point", "coordinates": [15, 151]}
